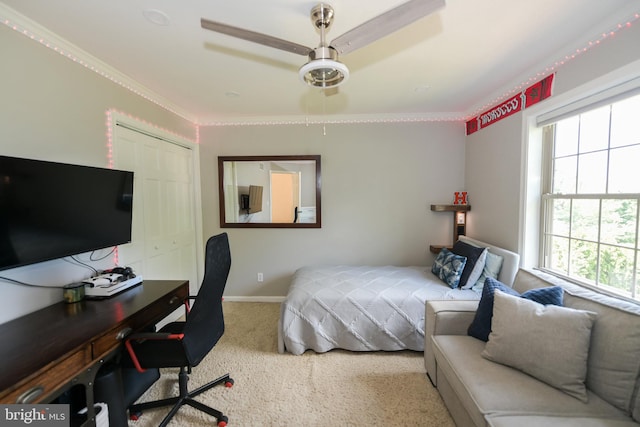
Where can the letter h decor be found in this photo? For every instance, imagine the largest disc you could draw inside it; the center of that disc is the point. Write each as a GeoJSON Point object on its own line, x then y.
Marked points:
{"type": "Point", "coordinates": [460, 198]}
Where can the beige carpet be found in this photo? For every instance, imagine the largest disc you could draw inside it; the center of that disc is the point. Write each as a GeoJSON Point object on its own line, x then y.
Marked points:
{"type": "Point", "coordinates": [272, 389]}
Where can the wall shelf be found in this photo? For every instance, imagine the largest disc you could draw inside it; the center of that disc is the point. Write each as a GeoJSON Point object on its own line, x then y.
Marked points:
{"type": "Point", "coordinates": [459, 222]}
{"type": "Point", "coordinates": [451, 208]}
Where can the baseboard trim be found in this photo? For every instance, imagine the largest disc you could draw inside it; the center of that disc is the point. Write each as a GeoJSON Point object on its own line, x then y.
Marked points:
{"type": "Point", "coordinates": [254, 299]}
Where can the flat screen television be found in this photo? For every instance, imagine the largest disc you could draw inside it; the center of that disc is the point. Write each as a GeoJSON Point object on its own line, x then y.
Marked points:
{"type": "Point", "coordinates": [51, 210]}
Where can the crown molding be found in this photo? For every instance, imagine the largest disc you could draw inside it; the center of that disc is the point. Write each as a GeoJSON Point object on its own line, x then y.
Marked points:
{"type": "Point", "coordinates": [39, 34]}
{"type": "Point", "coordinates": [337, 119]}
{"type": "Point", "coordinates": [45, 37]}
{"type": "Point", "coordinates": [36, 32]}
{"type": "Point", "coordinates": [623, 19]}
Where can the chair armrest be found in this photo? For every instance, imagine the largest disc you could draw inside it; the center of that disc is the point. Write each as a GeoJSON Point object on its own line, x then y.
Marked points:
{"type": "Point", "coordinates": [188, 302]}
{"type": "Point", "coordinates": [143, 336]}
{"type": "Point", "coordinates": [153, 336]}
{"type": "Point", "coordinates": [445, 318]}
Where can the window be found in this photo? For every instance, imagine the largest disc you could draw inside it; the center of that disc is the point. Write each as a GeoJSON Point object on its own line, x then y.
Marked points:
{"type": "Point", "coordinates": [591, 197]}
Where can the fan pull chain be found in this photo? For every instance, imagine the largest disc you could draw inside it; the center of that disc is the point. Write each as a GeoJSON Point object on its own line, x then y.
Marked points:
{"type": "Point", "coordinates": [324, 113]}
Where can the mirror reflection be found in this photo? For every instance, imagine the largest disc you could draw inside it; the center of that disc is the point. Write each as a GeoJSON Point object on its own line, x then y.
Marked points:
{"type": "Point", "coordinates": [269, 191]}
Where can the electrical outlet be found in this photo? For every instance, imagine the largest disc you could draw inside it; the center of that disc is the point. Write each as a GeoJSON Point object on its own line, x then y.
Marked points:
{"type": "Point", "coordinates": [260, 277]}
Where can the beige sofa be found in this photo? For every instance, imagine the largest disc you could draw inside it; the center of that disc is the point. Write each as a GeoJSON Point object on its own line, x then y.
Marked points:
{"type": "Point", "coordinates": [481, 392]}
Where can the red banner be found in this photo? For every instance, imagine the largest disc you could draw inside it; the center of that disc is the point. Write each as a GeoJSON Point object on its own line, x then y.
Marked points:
{"type": "Point", "coordinates": [528, 97]}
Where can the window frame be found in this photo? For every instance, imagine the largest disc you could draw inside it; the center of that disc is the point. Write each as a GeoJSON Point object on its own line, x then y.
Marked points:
{"type": "Point", "coordinates": [547, 196]}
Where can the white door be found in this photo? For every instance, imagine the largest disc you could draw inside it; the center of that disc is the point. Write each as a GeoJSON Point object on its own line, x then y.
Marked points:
{"type": "Point", "coordinates": [285, 196]}
{"type": "Point", "coordinates": [164, 234]}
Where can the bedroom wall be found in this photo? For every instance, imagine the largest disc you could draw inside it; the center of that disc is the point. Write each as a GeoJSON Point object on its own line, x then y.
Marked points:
{"type": "Point", "coordinates": [55, 109]}
{"type": "Point", "coordinates": [494, 171]}
{"type": "Point", "coordinates": [378, 181]}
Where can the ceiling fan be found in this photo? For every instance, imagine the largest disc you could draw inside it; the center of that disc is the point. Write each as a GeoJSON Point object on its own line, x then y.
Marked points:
{"type": "Point", "coordinates": [323, 69]}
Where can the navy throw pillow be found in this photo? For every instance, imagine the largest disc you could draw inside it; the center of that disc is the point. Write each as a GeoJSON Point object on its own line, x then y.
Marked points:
{"type": "Point", "coordinates": [476, 258]}
{"type": "Point", "coordinates": [481, 325]}
{"type": "Point", "coordinates": [553, 295]}
{"type": "Point", "coordinates": [480, 328]}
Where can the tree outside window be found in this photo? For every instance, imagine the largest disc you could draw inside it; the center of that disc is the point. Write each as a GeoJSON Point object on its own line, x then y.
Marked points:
{"type": "Point", "coordinates": [591, 203]}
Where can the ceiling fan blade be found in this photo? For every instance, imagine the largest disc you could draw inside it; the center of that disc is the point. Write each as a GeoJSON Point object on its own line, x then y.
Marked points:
{"type": "Point", "coordinates": [252, 36]}
{"type": "Point", "coordinates": [385, 24]}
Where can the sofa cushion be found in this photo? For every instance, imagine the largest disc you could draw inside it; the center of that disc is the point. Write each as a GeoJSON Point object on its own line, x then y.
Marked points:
{"type": "Point", "coordinates": [485, 387]}
{"type": "Point", "coordinates": [448, 267]}
{"type": "Point", "coordinates": [476, 257]}
{"type": "Point", "coordinates": [444, 318]}
{"type": "Point", "coordinates": [550, 343]}
{"type": "Point", "coordinates": [481, 325]}
{"type": "Point", "coordinates": [527, 420]}
{"type": "Point", "coordinates": [613, 365]}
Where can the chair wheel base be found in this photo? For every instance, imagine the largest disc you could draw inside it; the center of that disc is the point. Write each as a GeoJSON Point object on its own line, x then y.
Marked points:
{"type": "Point", "coordinates": [222, 421]}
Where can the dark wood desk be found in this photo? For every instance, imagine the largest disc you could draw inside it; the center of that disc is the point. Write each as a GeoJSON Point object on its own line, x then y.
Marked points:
{"type": "Point", "coordinates": [46, 352]}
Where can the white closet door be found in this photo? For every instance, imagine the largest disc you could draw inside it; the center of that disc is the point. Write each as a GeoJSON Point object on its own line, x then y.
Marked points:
{"type": "Point", "coordinates": [164, 232]}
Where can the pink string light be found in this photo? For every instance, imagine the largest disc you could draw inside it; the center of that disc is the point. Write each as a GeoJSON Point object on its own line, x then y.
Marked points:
{"type": "Point", "coordinates": [549, 69]}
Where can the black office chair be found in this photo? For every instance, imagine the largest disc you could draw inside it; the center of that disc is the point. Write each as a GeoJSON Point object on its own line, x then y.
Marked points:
{"type": "Point", "coordinates": [185, 344]}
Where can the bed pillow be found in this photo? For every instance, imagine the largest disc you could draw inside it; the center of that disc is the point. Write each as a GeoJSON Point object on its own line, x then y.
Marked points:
{"type": "Point", "coordinates": [476, 257]}
{"type": "Point", "coordinates": [492, 267]}
{"type": "Point", "coordinates": [550, 343]}
{"type": "Point", "coordinates": [448, 267]}
{"type": "Point", "coordinates": [481, 325]}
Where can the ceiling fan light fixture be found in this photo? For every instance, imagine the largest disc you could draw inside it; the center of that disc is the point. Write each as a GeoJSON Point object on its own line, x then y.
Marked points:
{"type": "Point", "coordinates": [324, 73]}
{"type": "Point", "coordinates": [323, 69]}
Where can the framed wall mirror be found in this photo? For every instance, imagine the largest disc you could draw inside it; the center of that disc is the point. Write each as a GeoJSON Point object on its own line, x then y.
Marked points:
{"type": "Point", "coordinates": [270, 191]}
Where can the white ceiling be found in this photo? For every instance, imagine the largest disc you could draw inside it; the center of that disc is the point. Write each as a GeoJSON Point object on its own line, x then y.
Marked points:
{"type": "Point", "coordinates": [451, 64]}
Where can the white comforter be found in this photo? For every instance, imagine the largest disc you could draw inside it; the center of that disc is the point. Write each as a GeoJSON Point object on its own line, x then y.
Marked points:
{"type": "Point", "coordinates": [360, 308]}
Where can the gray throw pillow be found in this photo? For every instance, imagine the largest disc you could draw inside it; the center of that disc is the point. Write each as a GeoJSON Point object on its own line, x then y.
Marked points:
{"type": "Point", "coordinates": [550, 343]}
{"type": "Point", "coordinates": [492, 267]}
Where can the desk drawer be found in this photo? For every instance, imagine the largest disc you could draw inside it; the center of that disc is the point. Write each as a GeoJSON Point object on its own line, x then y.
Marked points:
{"type": "Point", "coordinates": [145, 318]}
{"type": "Point", "coordinates": [50, 378]}
{"type": "Point", "coordinates": [110, 341]}
{"type": "Point", "coordinates": [55, 361]}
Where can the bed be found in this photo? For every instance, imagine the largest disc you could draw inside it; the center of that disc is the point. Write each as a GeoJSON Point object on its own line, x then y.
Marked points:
{"type": "Point", "coordinates": [367, 308]}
